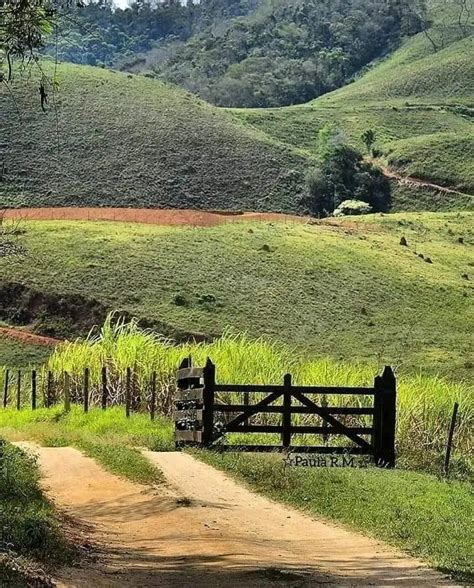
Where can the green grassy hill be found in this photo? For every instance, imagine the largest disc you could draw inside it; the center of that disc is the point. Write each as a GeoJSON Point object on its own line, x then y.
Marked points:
{"type": "Point", "coordinates": [350, 291]}
{"type": "Point", "coordinates": [123, 140]}
{"type": "Point", "coordinates": [419, 102]}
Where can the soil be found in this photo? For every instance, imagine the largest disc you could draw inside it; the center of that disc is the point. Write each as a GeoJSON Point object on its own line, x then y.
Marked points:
{"type": "Point", "coordinates": [170, 217]}
{"type": "Point", "coordinates": [202, 529]}
{"type": "Point", "coordinates": [27, 337]}
{"type": "Point", "coordinates": [57, 316]}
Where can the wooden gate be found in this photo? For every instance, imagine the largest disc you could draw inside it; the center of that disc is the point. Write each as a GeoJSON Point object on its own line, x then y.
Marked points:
{"type": "Point", "coordinates": [203, 420]}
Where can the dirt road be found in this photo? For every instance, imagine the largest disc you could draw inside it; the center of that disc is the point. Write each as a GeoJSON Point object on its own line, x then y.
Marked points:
{"type": "Point", "coordinates": [202, 529]}
{"type": "Point", "coordinates": [412, 182]}
{"type": "Point", "coordinates": [154, 216]}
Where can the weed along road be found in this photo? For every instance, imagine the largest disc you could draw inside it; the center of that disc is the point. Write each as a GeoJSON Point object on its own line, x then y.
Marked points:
{"type": "Point", "coordinates": [202, 529]}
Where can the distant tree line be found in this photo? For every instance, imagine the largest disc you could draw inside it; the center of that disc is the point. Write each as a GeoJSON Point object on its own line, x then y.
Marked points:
{"type": "Point", "coordinates": [256, 53]}
{"type": "Point", "coordinates": [288, 51]}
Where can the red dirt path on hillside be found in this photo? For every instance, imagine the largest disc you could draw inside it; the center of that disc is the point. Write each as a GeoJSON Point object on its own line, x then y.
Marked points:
{"type": "Point", "coordinates": [165, 216]}
{"type": "Point", "coordinates": [27, 337]}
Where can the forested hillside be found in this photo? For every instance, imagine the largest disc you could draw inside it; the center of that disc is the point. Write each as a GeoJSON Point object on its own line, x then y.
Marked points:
{"type": "Point", "coordinates": [99, 33]}
{"type": "Point", "coordinates": [248, 53]}
{"type": "Point", "coordinates": [418, 102]}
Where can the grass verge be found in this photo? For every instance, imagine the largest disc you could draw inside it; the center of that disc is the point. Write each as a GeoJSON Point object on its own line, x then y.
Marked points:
{"type": "Point", "coordinates": [30, 535]}
{"type": "Point", "coordinates": [419, 513]}
{"type": "Point", "coordinates": [106, 436]}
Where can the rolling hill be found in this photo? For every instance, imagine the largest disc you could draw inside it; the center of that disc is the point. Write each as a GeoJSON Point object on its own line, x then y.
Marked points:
{"type": "Point", "coordinates": [419, 103]}
{"type": "Point", "coordinates": [346, 289]}
{"type": "Point", "coordinates": [114, 139]}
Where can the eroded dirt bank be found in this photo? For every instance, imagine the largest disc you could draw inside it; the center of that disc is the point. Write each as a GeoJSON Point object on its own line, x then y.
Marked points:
{"type": "Point", "coordinates": [202, 529]}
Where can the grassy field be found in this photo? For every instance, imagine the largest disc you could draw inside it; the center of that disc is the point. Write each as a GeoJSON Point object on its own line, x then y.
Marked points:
{"type": "Point", "coordinates": [421, 514]}
{"type": "Point", "coordinates": [419, 103]}
{"type": "Point", "coordinates": [17, 354]}
{"type": "Point", "coordinates": [126, 140]}
{"type": "Point", "coordinates": [350, 291]}
{"type": "Point", "coordinates": [30, 535]}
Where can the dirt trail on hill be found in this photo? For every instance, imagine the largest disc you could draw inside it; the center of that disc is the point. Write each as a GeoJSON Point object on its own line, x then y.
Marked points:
{"type": "Point", "coordinates": [202, 529]}
{"type": "Point", "coordinates": [168, 217]}
{"type": "Point", "coordinates": [28, 337]}
{"type": "Point", "coordinates": [418, 183]}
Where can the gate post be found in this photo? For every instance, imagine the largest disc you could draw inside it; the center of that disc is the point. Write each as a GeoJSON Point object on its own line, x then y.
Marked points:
{"type": "Point", "coordinates": [209, 376]}
{"type": "Point", "coordinates": [286, 430]}
{"type": "Point", "coordinates": [385, 406]}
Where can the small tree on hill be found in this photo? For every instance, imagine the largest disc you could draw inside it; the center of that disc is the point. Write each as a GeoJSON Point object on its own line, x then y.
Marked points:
{"type": "Point", "coordinates": [368, 137]}
{"type": "Point", "coordinates": [344, 175]}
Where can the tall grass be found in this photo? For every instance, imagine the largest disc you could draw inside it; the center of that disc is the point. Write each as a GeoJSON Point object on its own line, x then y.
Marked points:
{"type": "Point", "coordinates": [425, 402]}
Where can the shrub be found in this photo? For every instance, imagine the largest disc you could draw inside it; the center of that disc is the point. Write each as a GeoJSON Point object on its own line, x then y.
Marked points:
{"type": "Point", "coordinates": [352, 207]}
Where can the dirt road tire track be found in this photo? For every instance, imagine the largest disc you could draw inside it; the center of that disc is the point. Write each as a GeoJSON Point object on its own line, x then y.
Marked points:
{"type": "Point", "coordinates": [203, 529]}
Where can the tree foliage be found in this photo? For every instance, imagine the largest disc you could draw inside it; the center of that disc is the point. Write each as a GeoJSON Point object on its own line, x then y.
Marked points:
{"type": "Point", "coordinates": [342, 175]}
{"type": "Point", "coordinates": [288, 51]}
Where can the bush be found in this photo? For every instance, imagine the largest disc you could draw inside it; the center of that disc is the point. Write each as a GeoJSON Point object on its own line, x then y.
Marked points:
{"type": "Point", "coordinates": [27, 522]}
{"type": "Point", "coordinates": [352, 207]}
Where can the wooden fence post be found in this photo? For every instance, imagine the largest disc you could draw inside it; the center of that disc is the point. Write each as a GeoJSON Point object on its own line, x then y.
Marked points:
{"type": "Point", "coordinates": [86, 389]}
{"type": "Point", "coordinates": [67, 392]}
{"type": "Point", "coordinates": [104, 387]}
{"type": "Point", "coordinates": [128, 383]}
{"type": "Point", "coordinates": [5, 388]}
{"type": "Point", "coordinates": [18, 391]}
{"type": "Point", "coordinates": [449, 444]}
{"type": "Point", "coordinates": [385, 400]}
{"type": "Point", "coordinates": [49, 389]}
{"type": "Point", "coordinates": [209, 374]}
{"type": "Point", "coordinates": [33, 389]}
{"type": "Point", "coordinates": [286, 418]}
{"type": "Point", "coordinates": [153, 396]}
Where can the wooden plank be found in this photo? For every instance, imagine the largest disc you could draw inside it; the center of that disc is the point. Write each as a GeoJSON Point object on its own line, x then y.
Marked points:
{"type": "Point", "coordinates": [323, 413]}
{"type": "Point", "coordinates": [258, 389]}
{"type": "Point", "coordinates": [190, 373]}
{"type": "Point", "coordinates": [253, 409]}
{"type": "Point", "coordinates": [190, 394]}
{"type": "Point", "coordinates": [189, 436]}
{"type": "Point", "coordinates": [344, 410]}
{"type": "Point", "coordinates": [301, 429]}
{"type": "Point", "coordinates": [194, 414]}
{"type": "Point", "coordinates": [297, 449]}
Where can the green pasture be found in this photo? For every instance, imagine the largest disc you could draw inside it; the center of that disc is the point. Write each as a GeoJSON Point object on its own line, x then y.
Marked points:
{"type": "Point", "coordinates": [347, 291]}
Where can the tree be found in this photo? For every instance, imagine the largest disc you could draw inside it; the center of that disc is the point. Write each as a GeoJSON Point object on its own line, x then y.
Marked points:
{"type": "Point", "coordinates": [344, 175]}
{"type": "Point", "coordinates": [24, 24]}
{"type": "Point", "coordinates": [368, 137]}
